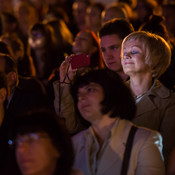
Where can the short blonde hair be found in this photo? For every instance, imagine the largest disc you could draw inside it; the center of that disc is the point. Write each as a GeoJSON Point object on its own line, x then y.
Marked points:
{"type": "Point", "coordinates": [157, 51]}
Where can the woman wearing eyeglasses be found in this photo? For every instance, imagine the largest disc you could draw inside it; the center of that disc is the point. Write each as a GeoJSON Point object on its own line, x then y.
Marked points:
{"type": "Point", "coordinates": [41, 145]}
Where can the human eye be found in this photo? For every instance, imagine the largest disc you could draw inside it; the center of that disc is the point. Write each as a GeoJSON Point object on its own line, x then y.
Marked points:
{"type": "Point", "coordinates": [103, 49]}
{"type": "Point", "coordinates": [115, 47]}
{"type": "Point", "coordinates": [90, 89]}
{"type": "Point", "coordinates": [124, 53]}
{"type": "Point", "coordinates": [33, 137]}
{"type": "Point", "coordinates": [134, 52]}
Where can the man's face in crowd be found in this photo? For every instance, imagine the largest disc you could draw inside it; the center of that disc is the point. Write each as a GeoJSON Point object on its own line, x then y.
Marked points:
{"type": "Point", "coordinates": [111, 48]}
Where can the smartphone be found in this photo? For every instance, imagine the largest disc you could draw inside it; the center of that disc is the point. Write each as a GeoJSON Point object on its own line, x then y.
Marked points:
{"type": "Point", "coordinates": [79, 61]}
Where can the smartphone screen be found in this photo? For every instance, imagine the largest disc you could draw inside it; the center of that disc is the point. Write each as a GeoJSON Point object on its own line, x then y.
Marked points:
{"type": "Point", "coordinates": [79, 61]}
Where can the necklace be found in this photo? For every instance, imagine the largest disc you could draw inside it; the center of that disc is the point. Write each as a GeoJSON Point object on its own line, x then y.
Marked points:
{"type": "Point", "coordinates": [139, 96]}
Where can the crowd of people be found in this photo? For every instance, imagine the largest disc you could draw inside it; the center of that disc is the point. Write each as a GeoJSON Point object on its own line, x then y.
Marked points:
{"type": "Point", "coordinates": [87, 87]}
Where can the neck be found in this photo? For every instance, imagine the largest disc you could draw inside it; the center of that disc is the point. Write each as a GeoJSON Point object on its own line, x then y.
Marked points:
{"type": "Point", "coordinates": [123, 75]}
{"type": "Point", "coordinates": [39, 52]}
{"type": "Point", "coordinates": [103, 127]}
{"type": "Point", "coordinates": [140, 84]}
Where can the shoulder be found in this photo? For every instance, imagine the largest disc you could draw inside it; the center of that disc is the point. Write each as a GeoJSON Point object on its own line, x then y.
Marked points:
{"type": "Point", "coordinates": [159, 90]}
{"type": "Point", "coordinates": [79, 136]}
{"type": "Point", "coordinates": [145, 137]}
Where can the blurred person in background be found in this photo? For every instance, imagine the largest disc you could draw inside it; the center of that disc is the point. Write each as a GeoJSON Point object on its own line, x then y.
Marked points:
{"type": "Point", "coordinates": [143, 10]}
{"type": "Point", "coordinates": [113, 11]}
{"type": "Point", "coordinates": [79, 8]}
{"type": "Point", "coordinates": [27, 16]}
{"type": "Point", "coordinates": [41, 146]}
{"type": "Point", "coordinates": [42, 47]}
{"type": "Point", "coordinates": [23, 93]}
{"type": "Point", "coordinates": [94, 16]}
{"type": "Point", "coordinates": [156, 25]}
{"type": "Point", "coordinates": [24, 62]}
{"type": "Point", "coordinates": [168, 11]}
{"type": "Point", "coordinates": [10, 24]}
{"type": "Point", "coordinates": [64, 41]}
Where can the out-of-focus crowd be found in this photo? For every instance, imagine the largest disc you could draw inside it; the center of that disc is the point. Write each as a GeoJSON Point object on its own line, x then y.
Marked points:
{"type": "Point", "coordinates": [60, 118]}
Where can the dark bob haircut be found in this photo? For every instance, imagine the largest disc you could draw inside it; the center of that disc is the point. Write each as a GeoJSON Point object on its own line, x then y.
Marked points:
{"type": "Point", "coordinates": [45, 120]}
{"type": "Point", "coordinates": [117, 96]}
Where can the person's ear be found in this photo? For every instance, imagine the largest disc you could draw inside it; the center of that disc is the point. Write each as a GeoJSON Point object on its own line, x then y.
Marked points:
{"type": "Point", "coordinates": [3, 94]}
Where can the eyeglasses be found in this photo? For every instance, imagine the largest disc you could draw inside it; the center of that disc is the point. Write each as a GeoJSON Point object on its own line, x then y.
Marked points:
{"type": "Point", "coordinates": [30, 139]}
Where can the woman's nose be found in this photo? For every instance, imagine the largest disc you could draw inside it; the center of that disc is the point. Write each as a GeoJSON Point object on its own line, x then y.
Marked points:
{"type": "Point", "coordinates": [127, 55]}
{"type": "Point", "coordinates": [81, 97]}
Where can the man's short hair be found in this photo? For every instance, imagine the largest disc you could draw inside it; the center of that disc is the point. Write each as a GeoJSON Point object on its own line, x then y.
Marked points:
{"type": "Point", "coordinates": [120, 27]}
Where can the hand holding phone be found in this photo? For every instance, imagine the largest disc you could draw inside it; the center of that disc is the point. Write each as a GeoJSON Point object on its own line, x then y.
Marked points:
{"type": "Point", "coordinates": [78, 61]}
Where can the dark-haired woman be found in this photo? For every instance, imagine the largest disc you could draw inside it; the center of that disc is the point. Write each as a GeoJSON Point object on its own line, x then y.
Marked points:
{"type": "Point", "coordinates": [102, 99]}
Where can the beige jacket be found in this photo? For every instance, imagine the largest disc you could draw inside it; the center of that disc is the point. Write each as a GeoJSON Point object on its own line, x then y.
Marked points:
{"type": "Point", "coordinates": [156, 110]}
{"type": "Point", "coordinates": [145, 155]}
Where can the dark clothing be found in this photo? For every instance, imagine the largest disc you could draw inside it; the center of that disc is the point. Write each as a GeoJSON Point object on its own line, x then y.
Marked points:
{"type": "Point", "coordinates": [168, 78]}
{"type": "Point", "coordinates": [29, 94]}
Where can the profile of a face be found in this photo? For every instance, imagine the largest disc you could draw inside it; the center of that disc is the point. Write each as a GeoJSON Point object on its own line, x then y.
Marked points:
{"type": "Point", "coordinates": [36, 154]}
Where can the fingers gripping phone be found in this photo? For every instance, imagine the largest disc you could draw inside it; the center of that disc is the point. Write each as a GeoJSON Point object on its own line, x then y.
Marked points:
{"type": "Point", "coordinates": [79, 61]}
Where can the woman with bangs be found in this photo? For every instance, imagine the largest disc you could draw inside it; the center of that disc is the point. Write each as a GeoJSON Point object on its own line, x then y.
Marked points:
{"type": "Point", "coordinates": [145, 57]}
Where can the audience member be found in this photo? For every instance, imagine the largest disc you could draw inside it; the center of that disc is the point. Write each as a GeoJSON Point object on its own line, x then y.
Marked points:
{"type": "Point", "coordinates": [144, 9]}
{"type": "Point", "coordinates": [94, 16]}
{"type": "Point", "coordinates": [168, 11]}
{"type": "Point", "coordinates": [43, 49]}
{"type": "Point", "coordinates": [113, 11]}
{"type": "Point", "coordinates": [64, 37]}
{"type": "Point", "coordinates": [145, 57]}
{"type": "Point", "coordinates": [27, 16]}
{"type": "Point", "coordinates": [111, 35]}
{"type": "Point", "coordinates": [64, 41]}
{"type": "Point", "coordinates": [155, 25]}
{"type": "Point", "coordinates": [41, 8]}
{"type": "Point", "coordinates": [42, 145]}
{"type": "Point", "coordinates": [9, 23]}
{"type": "Point", "coordinates": [128, 9]}
{"type": "Point", "coordinates": [24, 93]}
{"type": "Point", "coordinates": [86, 42]}
{"type": "Point", "coordinates": [79, 8]}
{"type": "Point", "coordinates": [24, 62]}
{"type": "Point", "coordinates": [101, 98]}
